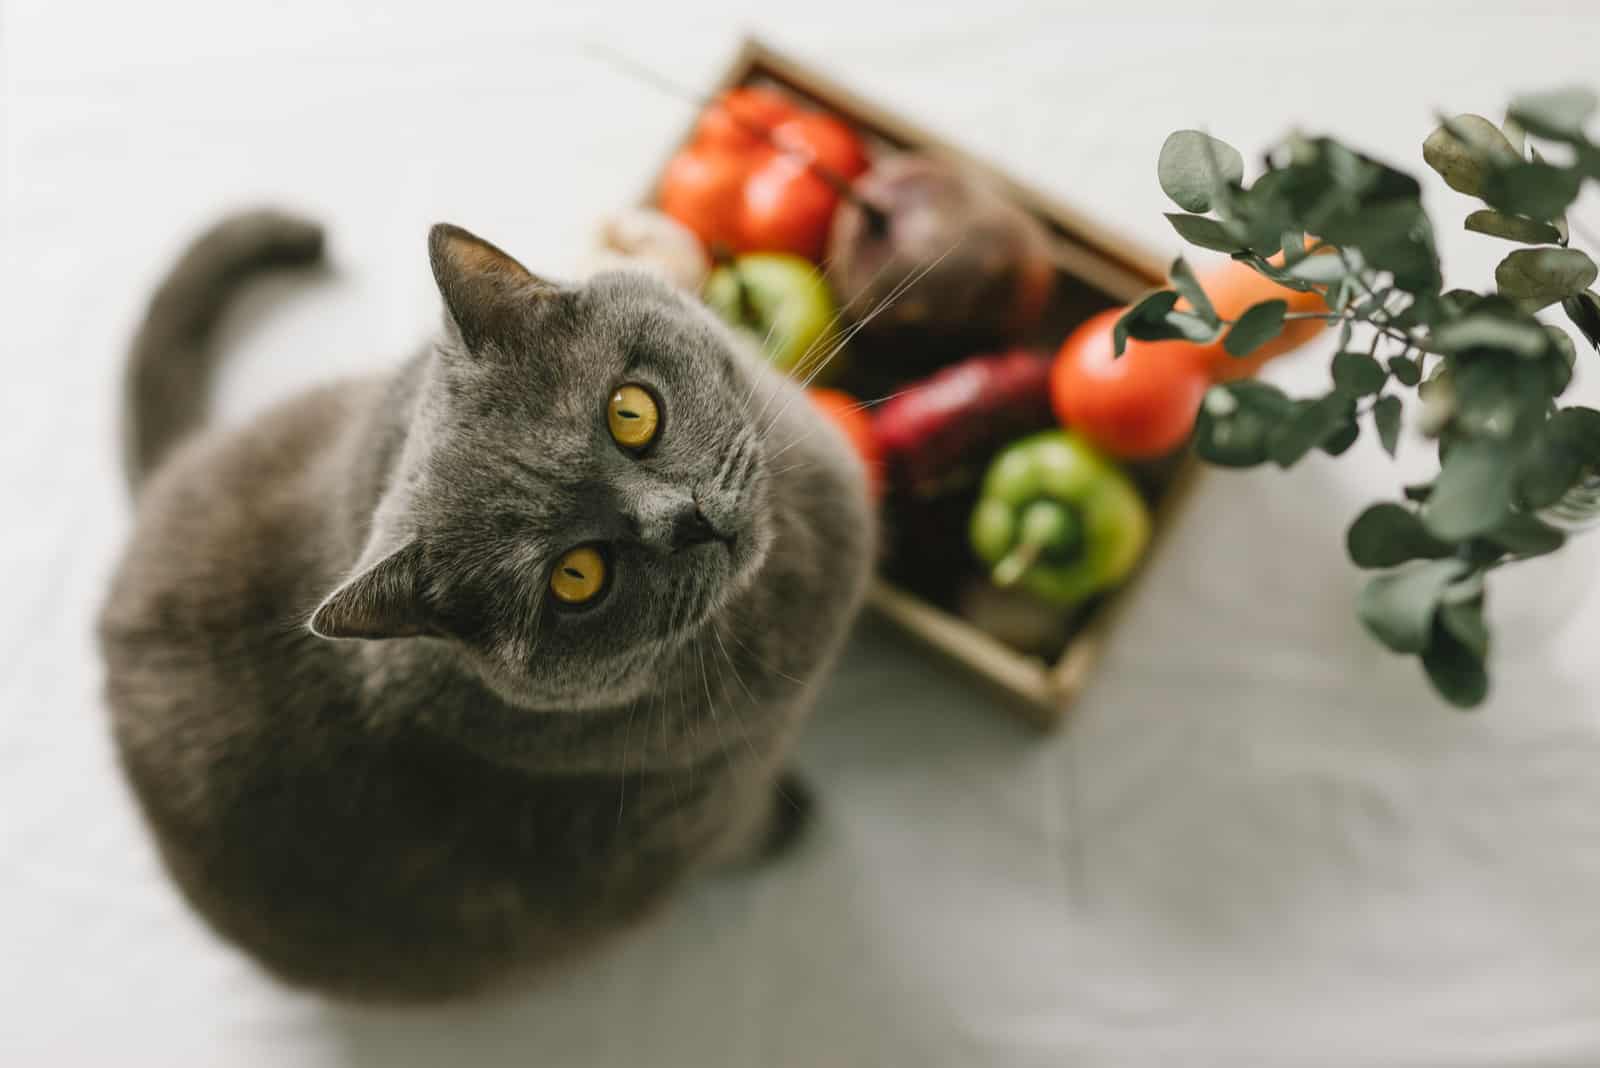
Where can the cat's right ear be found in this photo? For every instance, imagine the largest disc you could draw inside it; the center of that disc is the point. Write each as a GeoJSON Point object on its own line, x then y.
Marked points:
{"type": "Point", "coordinates": [382, 601]}
{"type": "Point", "coordinates": [485, 291]}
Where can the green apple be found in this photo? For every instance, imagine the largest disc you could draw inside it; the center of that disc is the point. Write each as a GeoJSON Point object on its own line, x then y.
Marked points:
{"type": "Point", "coordinates": [784, 304]}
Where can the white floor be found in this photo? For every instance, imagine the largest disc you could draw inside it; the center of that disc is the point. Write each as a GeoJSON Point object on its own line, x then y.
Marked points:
{"type": "Point", "coordinates": [1260, 842]}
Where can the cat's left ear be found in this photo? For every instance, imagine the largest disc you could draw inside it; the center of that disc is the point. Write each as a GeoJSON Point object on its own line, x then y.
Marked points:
{"type": "Point", "coordinates": [382, 601]}
{"type": "Point", "coordinates": [484, 289]}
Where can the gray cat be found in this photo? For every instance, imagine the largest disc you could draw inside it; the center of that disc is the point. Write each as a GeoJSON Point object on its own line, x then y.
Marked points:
{"type": "Point", "coordinates": [431, 677]}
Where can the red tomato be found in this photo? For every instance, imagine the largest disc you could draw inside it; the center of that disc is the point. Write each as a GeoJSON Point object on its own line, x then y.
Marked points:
{"type": "Point", "coordinates": [734, 119]}
{"type": "Point", "coordinates": [846, 414]}
{"type": "Point", "coordinates": [787, 208]}
{"type": "Point", "coordinates": [702, 190]}
{"type": "Point", "coordinates": [813, 136]}
{"type": "Point", "coordinates": [751, 192]}
{"type": "Point", "coordinates": [1138, 406]}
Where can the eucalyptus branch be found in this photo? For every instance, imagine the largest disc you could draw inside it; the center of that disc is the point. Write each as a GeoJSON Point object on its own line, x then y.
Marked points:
{"type": "Point", "coordinates": [1494, 373]}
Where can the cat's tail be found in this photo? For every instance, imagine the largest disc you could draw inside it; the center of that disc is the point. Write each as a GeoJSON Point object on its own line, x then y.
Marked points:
{"type": "Point", "coordinates": [170, 363]}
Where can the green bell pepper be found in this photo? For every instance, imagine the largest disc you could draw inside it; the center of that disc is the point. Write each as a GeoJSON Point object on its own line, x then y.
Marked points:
{"type": "Point", "coordinates": [1056, 518]}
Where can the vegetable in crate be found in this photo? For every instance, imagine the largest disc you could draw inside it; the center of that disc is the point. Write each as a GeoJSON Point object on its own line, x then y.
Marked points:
{"type": "Point", "coordinates": [647, 239]}
{"type": "Point", "coordinates": [1058, 519]}
{"type": "Point", "coordinates": [1137, 406]}
{"type": "Point", "coordinates": [781, 302]}
{"type": "Point", "coordinates": [955, 417]}
{"type": "Point", "coordinates": [762, 175]}
{"type": "Point", "coordinates": [847, 413]}
{"type": "Point", "coordinates": [937, 259]}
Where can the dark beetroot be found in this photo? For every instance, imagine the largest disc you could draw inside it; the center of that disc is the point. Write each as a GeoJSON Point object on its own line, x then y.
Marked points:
{"type": "Point", "coordinates": [940, 262]}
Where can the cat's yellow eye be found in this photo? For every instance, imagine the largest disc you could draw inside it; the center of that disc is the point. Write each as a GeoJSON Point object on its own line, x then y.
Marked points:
{"type": "Point", "coordinates": [633, 417]}
{"type": "Point", "coordinates": [579, 576]}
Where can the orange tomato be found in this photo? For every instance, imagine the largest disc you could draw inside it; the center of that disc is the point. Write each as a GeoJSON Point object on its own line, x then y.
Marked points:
{"type": "Point", "coordinates": [846, 413]}
{"type": "Point", "coordinates": [1233, 289]}
{"type": "Point", "coordinates": [1138, 406]}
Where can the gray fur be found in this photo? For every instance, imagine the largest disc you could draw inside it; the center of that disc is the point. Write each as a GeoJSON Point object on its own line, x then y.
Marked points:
{"type": "Point", "coordinates": [478, 779]}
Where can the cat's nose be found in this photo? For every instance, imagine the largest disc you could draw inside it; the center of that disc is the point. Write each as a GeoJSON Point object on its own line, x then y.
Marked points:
{"type": "Point", "coordinates": [690, 528]}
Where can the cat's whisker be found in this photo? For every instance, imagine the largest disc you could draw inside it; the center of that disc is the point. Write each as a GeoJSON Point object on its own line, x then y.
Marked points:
{"type": "Point", "coordinates": [711, 705]}
{"type": "Point", "coordinates": [762, 662]}
{"type": "Point", "coordinates": [894, 295]}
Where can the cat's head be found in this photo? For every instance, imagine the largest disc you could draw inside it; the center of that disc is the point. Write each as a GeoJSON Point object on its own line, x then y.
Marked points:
{"type": "Point", "coordinates": [582, 483]}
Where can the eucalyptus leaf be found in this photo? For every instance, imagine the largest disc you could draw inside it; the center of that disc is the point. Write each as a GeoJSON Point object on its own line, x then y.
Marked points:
{"type": "Point", "coordinates": [1489, 331]}
{"type": "Point", "coordinates": [1512, 227]}
{"type": "Point", "coordinates": [1235, 420]}
{"type": "Point", "coordinates": [1386, 417]}
{"type": "Point", "coordinates": [1537, 190]}
{"type": "Point", "coordinates": [1473, 493]}
{"type": "Point", "coordinates": [1541, 276]}
{"type": "Point", "coordinates": [1259, 324]}
{"type": "Point", "coordinates": [1456, 669]}
{"type": "Point", "coordinates": [1464, 621]}
{"type": "Point", "coordinates": [1312, 423]}
{"type": "Point", "coordinates": [1207, 233]}
{"type": "Point", "coordinates": [1193, 165]}
{"type": "Point", "coordinates": [1147, 317]}
{"type": "Point", "coordinates": [1192, 327]}
{"type": "Point", "coordinates": [1567, 443]}
{"type": "Point", "coordinates": [1525, 535]}
{"type": "Point", "coordinates": [1583, 309]}
{"type": "Point", "coordinates": [1398, 608]}
{"type": "Point", "coordinates": [1339, 442]}
{"type": "Point", "coordinates": [1558, 114]}
{"type": "Point", "coordinates": [1388, 535]}
{"type": "Point", "coordinates": [1407, 372]}
{"type": "Point", "coordinates": [1358, 374]}
{"type": "Point", "coordinates": [1460, 149]}
{"type": "Point", "coordinates": [1320, 269]}
{"type": "Point", "coordinates": [1189, 288]}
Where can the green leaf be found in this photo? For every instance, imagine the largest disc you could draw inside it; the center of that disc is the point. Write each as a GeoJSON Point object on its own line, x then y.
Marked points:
{"type": "Point", "coordinates": [1456, 668]}
{"type": "Point", "coordinates": [1320, 270]}
{"type": "Point", "coordinates": [1235, 420]}
{"type": "Point", "coordinates": [1312, 423]}
{"type": "Point", "coordinates": [1464, 621]}
{"type": "Point", "coordinates": [1407, 372]}
{"type": "Point", "coordinates": [1567, 443]}
{"type": "Point", "coordinates": [1459, 150]}
{"type": "Point", "coordinates": [1193, 165]}
{"type": "Point", "coordinates": [1207, 233]}
{"type": "Point", "coordinates": [1512, 227]}
{"type": "Point", "coordinates": [1189, 288]}
{"type": "Point", "coordinates": [1584, 311]}
{"type": "Point", "coordinates": [1398, 608]}
{"type": "Point", "coordinates": [1358, 374]}
{"type": "Point", "coordinates": [1146, 320]}
{"type": "Point", "coordinates": [1340, 441]}
{"type": "Point", "coordinates": [1525, 535]}
{"type": "Point", "coordinates": [1540, 276]}
{"type": "Point", "coordinates": [1258, 325]}
{"type": "Point", "coordinates": [1561, 358]}
{"type": "Point", "coordinates": [1191, 327]}
{"type": "Point", "coordinates": [1473, 493]}
{"type": "Point", "coordinates": [1489, 331]}
{"type": "Point", "coordinates": [1386, 417]}
{"type": "Point", "coordinates": [1388, 535]}
{"type": "Point", "coordinates": [1558, 114]}
{"type": "Point", "coordinates": [1537, 190]}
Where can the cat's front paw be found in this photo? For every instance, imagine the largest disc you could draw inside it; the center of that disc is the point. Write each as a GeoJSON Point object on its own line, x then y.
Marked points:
{"type": "Point", "coordinates": [793, 805]}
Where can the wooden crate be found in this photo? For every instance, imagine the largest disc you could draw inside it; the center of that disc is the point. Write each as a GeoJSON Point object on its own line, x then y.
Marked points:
{"type": "Point", "coordinates": [1086, 254]}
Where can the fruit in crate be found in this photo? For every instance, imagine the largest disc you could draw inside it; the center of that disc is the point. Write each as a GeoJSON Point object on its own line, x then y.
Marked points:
{"type": "Point", "coordinates": [933, 430]}
{"type": "Point", "coordinates": [1138, 406]}
{"type": "Point", "coordinates": [783, 305]}
{"type": "Point", "coordinates": [937, 259]}
{"type": "Point", "coordinates": [1057, 519]}
{"type": "Point", "coordinates": [761, 174]}
{"type": "Point", "coordinates": [847, 413]}
{"type": "Point", "coordinates": [653, 241]}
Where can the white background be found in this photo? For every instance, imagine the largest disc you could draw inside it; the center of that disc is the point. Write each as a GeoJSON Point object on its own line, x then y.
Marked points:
{"type": "Point", "coordinates": [1260, 841]}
